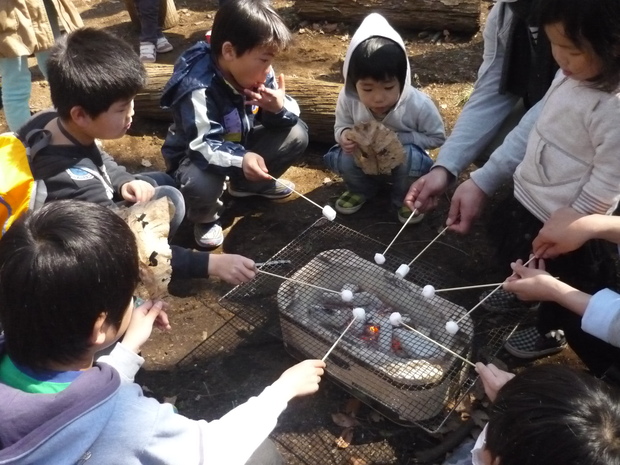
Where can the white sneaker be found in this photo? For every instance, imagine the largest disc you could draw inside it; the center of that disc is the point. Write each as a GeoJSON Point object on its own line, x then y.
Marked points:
{"type": "Point", "coordinates": [148, 53]}
{"type": "Point", "coordinates": [209, 235]}
{"type": "Point", "coordinates": [163, 46]}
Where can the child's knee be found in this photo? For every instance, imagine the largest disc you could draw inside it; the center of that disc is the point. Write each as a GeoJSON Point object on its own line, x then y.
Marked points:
{"type": "Point", "coordinates": [418, 161]}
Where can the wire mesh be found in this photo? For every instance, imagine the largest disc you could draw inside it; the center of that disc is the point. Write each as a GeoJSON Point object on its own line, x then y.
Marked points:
{"type": "Point", "coordinates": [395, 370]}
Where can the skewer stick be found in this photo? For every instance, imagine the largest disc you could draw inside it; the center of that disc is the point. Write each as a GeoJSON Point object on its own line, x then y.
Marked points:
{"type": "Point", "coordinates": [415, 210]}
{"type": "Point", "coordinates": [499, 286]}
{"type": "Point", "coordinates": [437, 343]}
{"type": "Point", "coordinates": [338, 340]}
{"type": "Point", "coordinates": [298, 193]}
{"type": "Point", "coordinates": [428, 245]}
{"type": "Point", "coordinates": [477, 286]}
{"type": "Point", "coordinates": [296, 281]}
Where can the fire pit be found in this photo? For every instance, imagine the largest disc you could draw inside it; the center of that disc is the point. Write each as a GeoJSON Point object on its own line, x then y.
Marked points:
{"type": "Point", "coordinates": [397, 371]}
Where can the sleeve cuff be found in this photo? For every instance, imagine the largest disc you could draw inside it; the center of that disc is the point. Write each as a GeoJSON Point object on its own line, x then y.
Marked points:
{"type": "Point", "coordinates": [599, 316]}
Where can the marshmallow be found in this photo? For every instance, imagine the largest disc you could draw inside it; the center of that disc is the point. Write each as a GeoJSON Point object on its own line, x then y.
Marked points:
{"type": "Point", "coordinates": [452, 327]}
{"type": "Point", "coordinates": [396, 319]}
{"type": "Point", "coordinates": [329, 213]}
{"type": "Point", "coordinates": [359, 314]}
{"type": "Point", "coordinates": [347, 295]}
{"type": "Point", "coordinates": [402, 271]}
{"type": "Point", "coordinates": [379, 259]}
{"type": "Point", "coordinates": [428, 291]}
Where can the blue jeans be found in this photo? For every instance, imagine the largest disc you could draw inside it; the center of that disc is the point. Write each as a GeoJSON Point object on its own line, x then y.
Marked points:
{"type": "Point", "coordinates": [16, 87]}
{"type": "Point", "coordinates": [148, 11]}
{"type": "Point", "coordinates": [417, 163]}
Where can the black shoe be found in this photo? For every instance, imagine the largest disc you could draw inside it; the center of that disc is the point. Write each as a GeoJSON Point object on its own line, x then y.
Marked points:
{"type": "Point", "coordinates": [528, 343]}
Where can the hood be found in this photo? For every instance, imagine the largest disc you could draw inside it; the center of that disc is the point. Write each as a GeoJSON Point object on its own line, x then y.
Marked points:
{"type": "Point", "coordinates": [56, 428]}
{"type": "Point", "coordinates": [374, 25]}
{"type": "Point", "coordinates": [193, 70]}
{"type": "Point", "coordinates": [54, 159]}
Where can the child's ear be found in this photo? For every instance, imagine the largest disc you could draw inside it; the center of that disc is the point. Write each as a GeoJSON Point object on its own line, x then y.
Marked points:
{"type": "Point", "coordinates": [79, 116]}
{"type": "Point", "coordinates": [100, 329]}
{"type": "Point", "coordinates": [228, 51]}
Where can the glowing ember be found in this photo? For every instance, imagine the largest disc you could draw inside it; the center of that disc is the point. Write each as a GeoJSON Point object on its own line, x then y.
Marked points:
{"type": "Point", "coordinates": [371, 333]}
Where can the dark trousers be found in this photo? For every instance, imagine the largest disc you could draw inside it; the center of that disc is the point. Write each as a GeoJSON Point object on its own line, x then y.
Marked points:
{"type": "Point", "coordinates": [589, 269]}
{"type": "Point", "coordinates": [148, 11]}
{"type": "Point", "coordinates": [266, 454]}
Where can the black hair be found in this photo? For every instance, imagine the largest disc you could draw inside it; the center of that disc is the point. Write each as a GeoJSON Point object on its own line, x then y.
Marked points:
{"type": "Point", "coordinates": [553, 414]}
{"type": "Point", "coordinates": [594, 21]}
{"type": "Point", "coordinates": [93, 69]}
{"type": "Point", "coordinates": [378, 58]}
{"type": "Point", "coordinates": [248, 24]}
{"type": "Point", "coordinates": [61, 267]}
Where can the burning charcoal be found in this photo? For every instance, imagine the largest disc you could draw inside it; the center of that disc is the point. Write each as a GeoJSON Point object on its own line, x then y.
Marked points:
{"type": "Point", "coordinates": [369, 301]}
{"type": "Point", "coordinates": [327, 317]}
{"type": "Point", "coordinates": [385, 335]}
{"type": "Point", "coordinates": [415, 345]}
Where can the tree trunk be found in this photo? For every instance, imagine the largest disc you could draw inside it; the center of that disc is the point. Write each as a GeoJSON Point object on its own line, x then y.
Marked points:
{"type": "Point", "coordinates": [168, 16]}
{"type": "Point", "coordinates": [453, 15]}
{"type": "Point", "coordinates": [317, 100]}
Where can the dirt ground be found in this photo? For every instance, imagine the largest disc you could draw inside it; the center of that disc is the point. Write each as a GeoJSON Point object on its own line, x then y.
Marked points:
{"type": "Point", "coordinates": [188, 365]}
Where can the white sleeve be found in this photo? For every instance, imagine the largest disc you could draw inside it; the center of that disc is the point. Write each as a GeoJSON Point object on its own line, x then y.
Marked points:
{"type": "Point", "coordinates": [602, 317]}
{"type": "Point", "coordinates": [123, 360]}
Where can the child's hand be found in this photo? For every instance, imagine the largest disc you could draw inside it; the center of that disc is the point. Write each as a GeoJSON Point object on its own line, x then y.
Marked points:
{"type": "Point", "coordinates": [137, 191]}
{"type": "Point", "coordinates": [301, 379]}
{"type": "Point", "coordinates": [254, 168]}
{"type": "Point", "coordinates": [566, 230]}
{"type": "Point", "coordinates": [493, 379]}
{"type": "Point", "coordinates": [347, 144]}
{"type": "Point", "coordinates": [234, 269]}
{"type": "Point", "coordinates": [142, 320]}
{"type": "Point", "coordinates": [530, 282]}
{"type": "Point", "coordinates": [271, 100]}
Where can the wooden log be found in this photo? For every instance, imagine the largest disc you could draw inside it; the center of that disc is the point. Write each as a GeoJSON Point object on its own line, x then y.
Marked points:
{"type": "Point", "coordinates": [168, 16]}
{"type": "Point", "coordinates": [453, 15]}
{"type": "Point", "coordinates": [317, 100]}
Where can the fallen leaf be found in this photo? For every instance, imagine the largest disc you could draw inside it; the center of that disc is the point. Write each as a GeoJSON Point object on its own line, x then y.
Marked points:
{"type": "Point", "coordinates": [344, 420]}
{"type": "Point", "coordinates": [352, 406]}
{"type": "Point", "coordinates": [375, 416]}
{"type": "Point", "coordinates": [345, 438]}
{"type": "Point", "coordinates": [358, 461]}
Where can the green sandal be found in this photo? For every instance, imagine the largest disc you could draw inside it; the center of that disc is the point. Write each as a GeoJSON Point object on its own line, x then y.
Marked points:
{"type": "Point", "coordinates": [404, 213]}
{"type": "Point", "coordinates": [349, 203]}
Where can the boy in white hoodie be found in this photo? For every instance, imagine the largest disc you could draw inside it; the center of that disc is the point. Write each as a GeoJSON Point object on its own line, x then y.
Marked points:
{"type": "Point", "coordinates": [378, 86]}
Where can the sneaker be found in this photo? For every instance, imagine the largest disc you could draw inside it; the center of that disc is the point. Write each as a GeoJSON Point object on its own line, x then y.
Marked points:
{"type": "Point", "coordinates": [404, 213]}
{"type": "Point", "coordinates": [280, 190]}
{"type": "Point", "coordinates": [163, 46]}
{"type": "Point", "coordinates": [209, 235]}
{"type": "Point", "coordinates": [148, 53]}
{"type": "Point", "coordinates": [349, 203]}
{"type": "Point", "coordinates": [528, 343]}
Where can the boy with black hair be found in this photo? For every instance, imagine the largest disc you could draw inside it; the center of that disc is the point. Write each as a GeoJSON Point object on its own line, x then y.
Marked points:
{"type": "Point", "coordinates": [68, 272]}
{"type": "Point", "coordinates": [231, 117]}
{"type": "Point", "coordinates": [93, 78]}
{"type": "Point", "coordinates": [378, 87]}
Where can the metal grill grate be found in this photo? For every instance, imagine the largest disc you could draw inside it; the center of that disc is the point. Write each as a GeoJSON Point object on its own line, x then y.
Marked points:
{"type": "Point", "coordinates": [394, 370]}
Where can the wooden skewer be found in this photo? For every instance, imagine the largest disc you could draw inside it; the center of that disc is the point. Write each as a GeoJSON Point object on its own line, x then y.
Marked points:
{"type": "Point", "coordinates": [477, 286]}
{"type": "Point", "coordinates": [296, 281]}
{"type": "Point", "coordinates": [489, 295]}
{"type": "Point", "coordinates": [415, 210]}
{"type": "Point", "coordinates": [298, 193]}
{"type": "Point", "coordinates": [428, 245]}
{"type": "Point", "coordinates": [437, 343]}
{"type": "Point", "coordinates": [338, 340]}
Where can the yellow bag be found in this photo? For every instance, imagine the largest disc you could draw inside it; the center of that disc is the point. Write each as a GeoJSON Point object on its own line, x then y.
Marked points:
{"type": "Point", "coordinates": [17, 185]}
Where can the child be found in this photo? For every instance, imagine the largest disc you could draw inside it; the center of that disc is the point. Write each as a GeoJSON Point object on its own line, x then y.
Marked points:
{"type": "Point", "coordinates": [93, 79]}
{"type": "Point", "coordinates": [152, 39]}
{"type": "Point", "coordinates": [26, 28]}
{"type": "Point", "coordinates": [548, 414]}
{"type": "Point", "coordinates": [378, 86]}
{"type": "Point", "coordinates": [67, 276]}
{"type": "Point", "coordinates": [231, 117]}
{"type": "Point", "coordinates": [571, 161]}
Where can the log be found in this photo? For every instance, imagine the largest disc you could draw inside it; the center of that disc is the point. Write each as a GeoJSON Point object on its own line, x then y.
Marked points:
{"type": "Point", "coordinates": [453, 15]}
{"type": "Point", "coordinates": [317, 100]}
{"type": "Point", "coordinates": [168, 16]}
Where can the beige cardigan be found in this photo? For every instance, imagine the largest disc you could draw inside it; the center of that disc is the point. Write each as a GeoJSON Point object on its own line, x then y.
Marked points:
{"type": "Point", "coordinates": [25, 27]}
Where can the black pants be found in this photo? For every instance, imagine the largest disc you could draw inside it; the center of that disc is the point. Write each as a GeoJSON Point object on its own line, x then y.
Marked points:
{"type": "Point", "coordinates": [589, 269]}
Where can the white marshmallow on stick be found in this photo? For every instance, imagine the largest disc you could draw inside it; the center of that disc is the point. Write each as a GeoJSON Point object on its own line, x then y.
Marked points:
{"type": "Point", "coordinates": [380, 257]}
{"type": "Point", "coordinates": [397, 320]}
{"type": "Point", "coordinates": [328, 212]}
{"type": "Point", "coordinates": [402, 271]}
{"type": "Point", "coordinates": [452, 327]}
{"type": "Point", "coordinates": [346, 295]}
{"type": "Point", "coordinates": [358, 314]}
{"type": "Point", "coordinates": [428, 291]}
